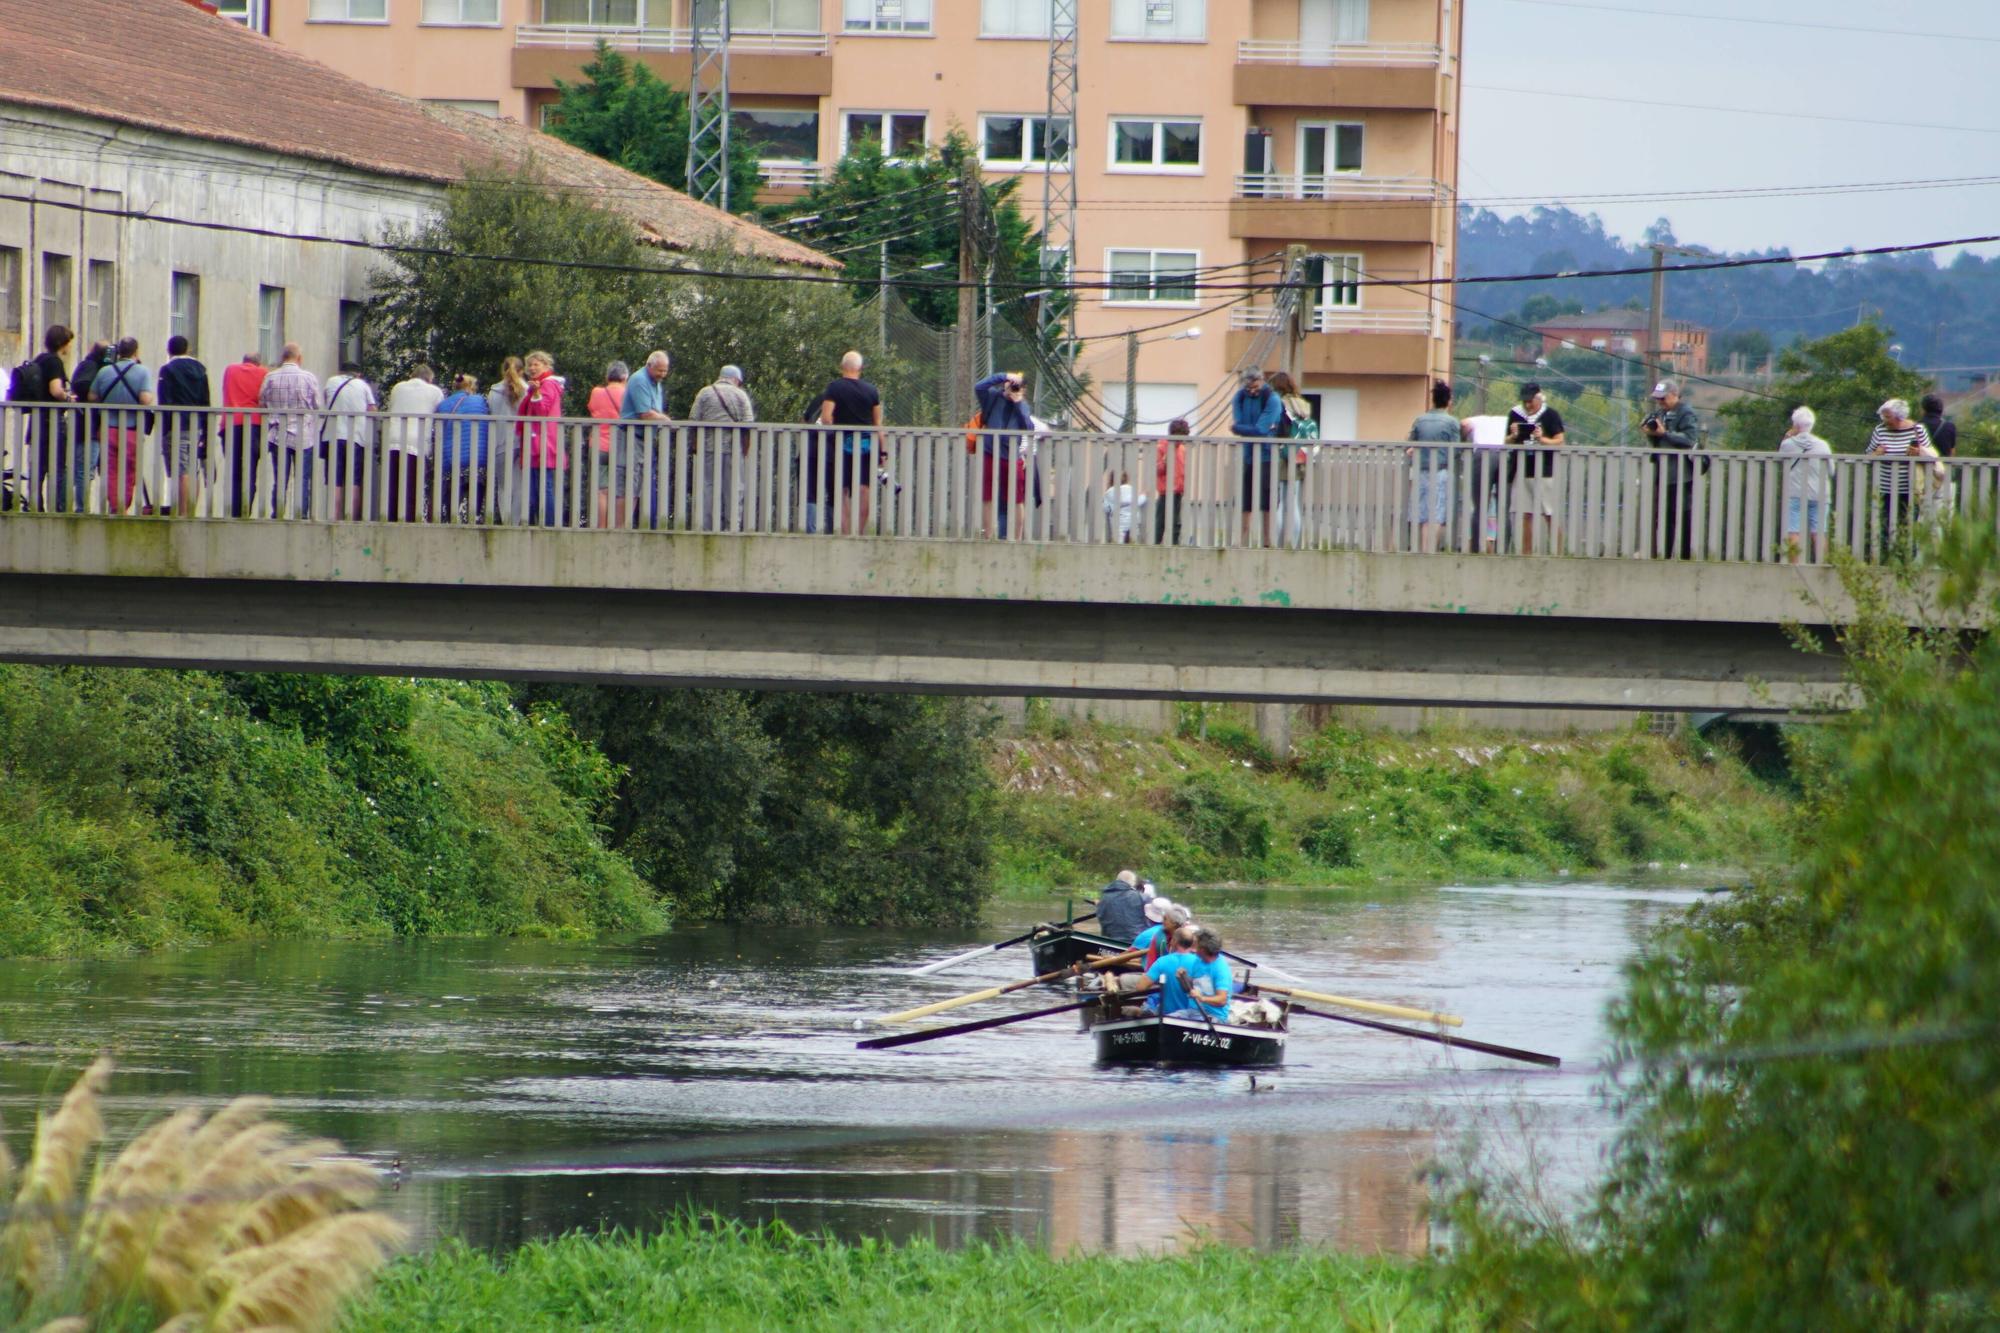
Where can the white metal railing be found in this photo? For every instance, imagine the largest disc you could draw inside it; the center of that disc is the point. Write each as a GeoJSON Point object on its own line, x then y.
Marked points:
{"type": "Point", "coordinates": [1256, 51]}
{"type": "Point", "coordinates": [132, 464]}
{"type": "Point", "coordinates": [1339, 319]}
{"type": "Point", "coordinates": [791, 175]}
{"type": "Point", "coordinates": [666, 41]}
{"type": "Point", "coordinates": [1338, 185]}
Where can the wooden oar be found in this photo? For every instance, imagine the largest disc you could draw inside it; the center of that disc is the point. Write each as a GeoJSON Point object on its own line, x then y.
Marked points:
{"type": "Point", "coordinates": [1365, 1006]}
{"type": "Point", "coordinates": [1271, 968]}
{"type": "Point", "coordinates": [958, 1029]}
{"type": "Point", "coordinates": [994, 992]}
{"type": "Point", "coordinates": [971, 954]}
{"type": "Point", "coordinates": [1441, 1038]}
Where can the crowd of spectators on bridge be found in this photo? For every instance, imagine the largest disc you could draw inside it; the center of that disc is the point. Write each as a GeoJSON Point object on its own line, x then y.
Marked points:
{"type": "Point", "coordinates": [425, 451]}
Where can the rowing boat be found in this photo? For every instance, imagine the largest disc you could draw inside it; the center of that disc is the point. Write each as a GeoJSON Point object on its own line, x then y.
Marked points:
{"type": "Point", "coordinates": [1053, 948]}
{"type": "Point", "coordinates": [1153, 1039]}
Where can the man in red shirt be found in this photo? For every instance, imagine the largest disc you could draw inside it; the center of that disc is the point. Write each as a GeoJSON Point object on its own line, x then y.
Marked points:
{"type": "Point", "coordinates": [243, 431]}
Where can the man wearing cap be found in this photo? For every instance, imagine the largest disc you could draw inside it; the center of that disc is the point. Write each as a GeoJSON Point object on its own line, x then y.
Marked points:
{"type": "Point", "coordinates": [720, 412]}
{"type": "Point", "coordinates": [1533, 424]}
{"type": "Point", "coordinates": [1121, 909]}
{"type": "Point", "coordinates": [1672, 423]}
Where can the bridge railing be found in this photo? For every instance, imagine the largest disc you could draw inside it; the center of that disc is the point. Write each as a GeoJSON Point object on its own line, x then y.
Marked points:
{"type": "Point", "coordinates": [1589, 501]}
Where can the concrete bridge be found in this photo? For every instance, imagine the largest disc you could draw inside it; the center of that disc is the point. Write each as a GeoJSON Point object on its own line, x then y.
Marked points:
{"type": "Point", "coordinates": [657, 583]}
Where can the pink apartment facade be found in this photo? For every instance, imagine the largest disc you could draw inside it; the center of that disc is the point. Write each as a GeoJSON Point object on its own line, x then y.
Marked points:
{"type": "Point", "coordinates": [1209, 133]}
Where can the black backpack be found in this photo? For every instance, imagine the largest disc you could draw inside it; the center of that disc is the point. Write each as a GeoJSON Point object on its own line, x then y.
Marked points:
{"type": "Point", "coordinates": [28, 384]}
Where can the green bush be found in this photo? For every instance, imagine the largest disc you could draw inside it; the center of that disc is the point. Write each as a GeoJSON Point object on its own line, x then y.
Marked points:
{"type": "Point", "coordinates": [1329, 841]}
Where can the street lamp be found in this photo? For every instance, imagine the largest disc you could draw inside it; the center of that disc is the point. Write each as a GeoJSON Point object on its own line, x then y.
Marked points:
{"type": "Point", "coordinates": [1132, 342]}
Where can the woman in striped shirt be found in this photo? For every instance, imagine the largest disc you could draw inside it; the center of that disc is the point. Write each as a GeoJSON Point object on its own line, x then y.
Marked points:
{"type": "Point", "coordinates": [1898, 437]}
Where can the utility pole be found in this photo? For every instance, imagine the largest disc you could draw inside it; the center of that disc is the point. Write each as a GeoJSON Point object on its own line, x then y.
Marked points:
{"type": "Point", "coordinates": [1655, 349]}
{"type": "Point", "coordinates": [1484, 362]}
{"type": "Point", "coordinates": [708, 103]}
{"type": "Point", "coordinates": [987, 326]}
{"type": "Point", "coordinates": [1058, 200]}
{"type": "Point", "coordinates": [966, 335]}
{"type": "Point", "coordinates": [882, 303]}
{"type": "Point", "coordinates": [1302, 309]}
{"type": "Point", "coordinates": [1131, 422]}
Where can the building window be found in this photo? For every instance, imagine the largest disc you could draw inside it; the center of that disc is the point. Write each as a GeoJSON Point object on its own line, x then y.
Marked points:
{"type": "Point", "coordinates": [1338, 278]}
{"type": "Point", "coordinates": [347, 11]}
{"type": "Point", "coordinates": [271, 324]}
{"type": "Point", "coordinates": [606, 14]}
{"type": "Point", "coordinates": [184, 315]}
{"type": "Point", "coordinates": [1014, 18]}
{"type": "Point", "coordinates": [56, 290]}
{"type": "Point", "coordinates": [100, 301]}
{"type": "Point", "coordinates": [778, 135]}
{"type": "Point", "coordinates": [472, 104]}
{"type": "Point", "coordinates": [1152, 276]}
{"type": "Point", "coordinates": [1159, 20]}
{"type": "Point", "coordinates": [886, 15]}
{"type": "Point", "coordinates": [353, 317]}
{"type": "Point", "coordinates": [250, 13]}
{"type": "Point", "coordinates": [456, 12]}
{"type": "Point", "coordinates": [766, 15]}
{"type": "Point", "coordinates": [1329, 149]}
{"type": "Point", "coordinates": [1022, 141]}
{"type": "Point", "coordinates": [901, 134]}
{"type": "Point", "coordinates": [1156, 145]}
{"type": "Point", "coordinates": [10, 290]}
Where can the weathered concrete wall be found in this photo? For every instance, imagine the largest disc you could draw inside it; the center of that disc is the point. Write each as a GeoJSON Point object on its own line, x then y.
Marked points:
{"type": "Point", "coordinates": [960, 617]}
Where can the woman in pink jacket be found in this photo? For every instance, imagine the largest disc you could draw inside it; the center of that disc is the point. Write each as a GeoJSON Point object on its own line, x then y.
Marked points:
{"type": "Point", "coordinates": [541, 457]}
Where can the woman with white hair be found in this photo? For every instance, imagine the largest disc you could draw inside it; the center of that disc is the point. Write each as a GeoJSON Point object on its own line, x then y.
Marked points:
{"type": "Point", "coordinates": [1896, 439]}
{"type": "Point", "coordinates": [1807, 475]}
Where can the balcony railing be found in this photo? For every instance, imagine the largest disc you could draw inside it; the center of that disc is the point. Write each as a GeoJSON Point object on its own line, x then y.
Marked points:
{"type": "Point", "coordinates": [791, 175]}
{"type": "Point", "coordinates": [1339, 319]}
{"type": "Point", "coordinates": [1341, 185]}
{"type": "Point", "coordinates": [665, 41]}
{"type": "Point", "coordinates": [1408, 55]}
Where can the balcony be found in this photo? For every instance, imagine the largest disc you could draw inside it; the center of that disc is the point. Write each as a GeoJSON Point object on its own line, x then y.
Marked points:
{"type": "Point", "coordinates": [1376, 342]}
{"type": "Point", "coordinates": [788, 180]}
{"type": "Point", "coordinates": [767, 62]}
{"type": "Point", "coordinates": [1348, 74]}
{"type": "Point", "coordinates": [1342, 207]}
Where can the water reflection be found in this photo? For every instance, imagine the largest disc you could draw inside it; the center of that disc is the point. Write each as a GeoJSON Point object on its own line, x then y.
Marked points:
{"type": "Point", "coordinates": [523, 1088]}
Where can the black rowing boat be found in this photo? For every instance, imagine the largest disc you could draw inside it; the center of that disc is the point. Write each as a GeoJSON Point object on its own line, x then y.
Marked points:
{"type": "Point", "coordinates": [1053, 948]}
{"type": "Point", "coordinates": [1186, 1041]}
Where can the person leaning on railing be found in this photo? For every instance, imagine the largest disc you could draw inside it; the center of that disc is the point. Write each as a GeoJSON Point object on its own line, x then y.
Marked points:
{"type": "Point", "coordinates": [465, 447]}
{"type": "Point", "coordinates": [1430, 487]}
{"type": "Point", "coordinates": [1807, 467]}
{"type": "Point", "coordinates": [1170, 468]}
{"type": "Point", "coordinates": [1537, 429]}
{"type": "Point", "coordinates": [1896, 439]}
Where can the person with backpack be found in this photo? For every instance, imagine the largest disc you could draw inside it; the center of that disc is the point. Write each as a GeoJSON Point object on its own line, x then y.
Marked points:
{"type": "Point", "coordinates": [465, 446]}
{"type": "Point", "coordinates": [125, 381]}
{"type": "Point", "coordinates": [1298, 424]}
{"type": "Point", "coordinates": [352, 432]}
{"type": "Point", "coordinates": [59, 465]}
{"type": "Point", "coordinates": [183, 383]}
{"type": "Point", "coordinates": [722, 446]}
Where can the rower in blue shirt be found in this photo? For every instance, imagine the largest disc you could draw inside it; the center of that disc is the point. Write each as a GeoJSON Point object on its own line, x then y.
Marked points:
{"type": "Point", "coordinates": [1195, 980]}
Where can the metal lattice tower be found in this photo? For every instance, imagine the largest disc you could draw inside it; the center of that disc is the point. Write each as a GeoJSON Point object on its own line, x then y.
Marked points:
{"type": "Point", "coordinates": [1058, 193]}
{"type": "Point", "coordinates": [708, 102]}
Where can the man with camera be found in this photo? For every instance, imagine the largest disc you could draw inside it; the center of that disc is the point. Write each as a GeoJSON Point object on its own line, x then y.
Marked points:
{"type": "Point", "coordinates": [1672, 423]}
{"type": "Point", "coordinates": [1003, 406]}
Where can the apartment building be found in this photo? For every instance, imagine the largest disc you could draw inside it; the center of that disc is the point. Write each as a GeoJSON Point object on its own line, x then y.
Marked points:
{"type": "Point", "coordinates": [1209, 133]}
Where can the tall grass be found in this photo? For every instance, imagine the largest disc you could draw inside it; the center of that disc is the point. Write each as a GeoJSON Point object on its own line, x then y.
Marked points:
{"type": "Point", "coordinates": [213, 1224]}
{"type": "Point", "coordinates": [707, 1274]}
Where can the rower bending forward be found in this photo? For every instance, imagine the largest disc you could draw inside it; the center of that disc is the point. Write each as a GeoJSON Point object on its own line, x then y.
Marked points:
{"type": "Point", "coordinates": [1193, 984]}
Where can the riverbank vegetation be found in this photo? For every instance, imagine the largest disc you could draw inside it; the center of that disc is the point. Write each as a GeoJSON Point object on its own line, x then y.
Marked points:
{"type": "Point", "coordinates": [723, 1275]}
{"type": "Point", "coordinates": [1811, 1136]}
{"type": "Point", "coordinates": [147, 809]}
{"type": "Point", "coordinates": [1078, 801]}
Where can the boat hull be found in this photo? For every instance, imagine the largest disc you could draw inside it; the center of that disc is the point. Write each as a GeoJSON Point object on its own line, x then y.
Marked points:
{"type": "Point", "coordinates": [1181, 1041]}
{"type": "Point", "coordinates": [1061, 948]}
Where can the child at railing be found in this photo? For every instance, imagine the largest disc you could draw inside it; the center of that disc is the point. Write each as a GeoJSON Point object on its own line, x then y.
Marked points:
{"type": "Point", "coordinates": [1121, 502]}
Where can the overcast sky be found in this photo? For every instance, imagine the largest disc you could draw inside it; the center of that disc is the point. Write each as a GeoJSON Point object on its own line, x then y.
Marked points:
{"type": "Point", "coordinates": [1663, 63]}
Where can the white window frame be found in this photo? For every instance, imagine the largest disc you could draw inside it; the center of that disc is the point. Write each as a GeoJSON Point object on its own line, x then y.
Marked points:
{"type": "Point", "coordinates": [11, 304]}
{"type": "Point", "coordinates": [424, 19]}
{"type": "Point", "coordinates": [1157, 167]}
{"type": "Point", "coordinates": [881, 130]}
{"type": "Point", "coordinates": [100, 301]}
{"type": "Point", "coordinates": [45, 294]}
{"type": "Point", "coordinates": [880, 23]}
{"type": "Point", "coordinates": [819, 126]}
{"type": "Point", "coordinates": [1337, 270]}
{"type": "Point", "coordinates": [1112, 299]}
{"type": "Point", "coordinates": [1028, 120]}
{"type": "Point", "coordinates": [1144, 8]}
{"type": "Point", "coordinates": [986, 33]}
{"type": "Point", "coordinates": [737, 25]}
{"type": "Point", "coordinates": [1333, 128]}
{"type": "Point", "coordinates": [249, 13]}
{"type": "Point", "coordinates": [186, 322]}
{"type": "Point", "coordinates": [348, 15]}
{"type": "Point", "coordinates": [270, 331]}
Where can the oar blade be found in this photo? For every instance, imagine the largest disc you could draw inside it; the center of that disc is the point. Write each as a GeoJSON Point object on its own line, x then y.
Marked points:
{"type": "Point", "coordinates": [925, 1011]}
{"type": "Point", "coordinates": [1441, 1038]}
{"type": "Point", "coordinates": [958, 958]}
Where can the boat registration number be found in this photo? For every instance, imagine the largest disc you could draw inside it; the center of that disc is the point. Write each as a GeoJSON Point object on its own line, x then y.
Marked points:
{"type": "Point", "coordinates": [1205, 1039]}
{"type": "Point", "coordinates": [1127, 1038]}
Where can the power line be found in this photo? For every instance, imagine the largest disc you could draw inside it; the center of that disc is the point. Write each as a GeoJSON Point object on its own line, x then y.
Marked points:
{"type": "Point", "coordinates": [1769, 23]}
{"type": "Point", "coordinates": [1738, 110]}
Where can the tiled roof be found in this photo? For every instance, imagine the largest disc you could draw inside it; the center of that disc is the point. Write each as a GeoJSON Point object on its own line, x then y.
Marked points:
{"type": "Point", "coordinates": [167, 65]}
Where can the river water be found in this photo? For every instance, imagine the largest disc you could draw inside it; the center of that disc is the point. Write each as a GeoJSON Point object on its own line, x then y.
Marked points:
{"type": "Point", "coordinates": [516, 1089]}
